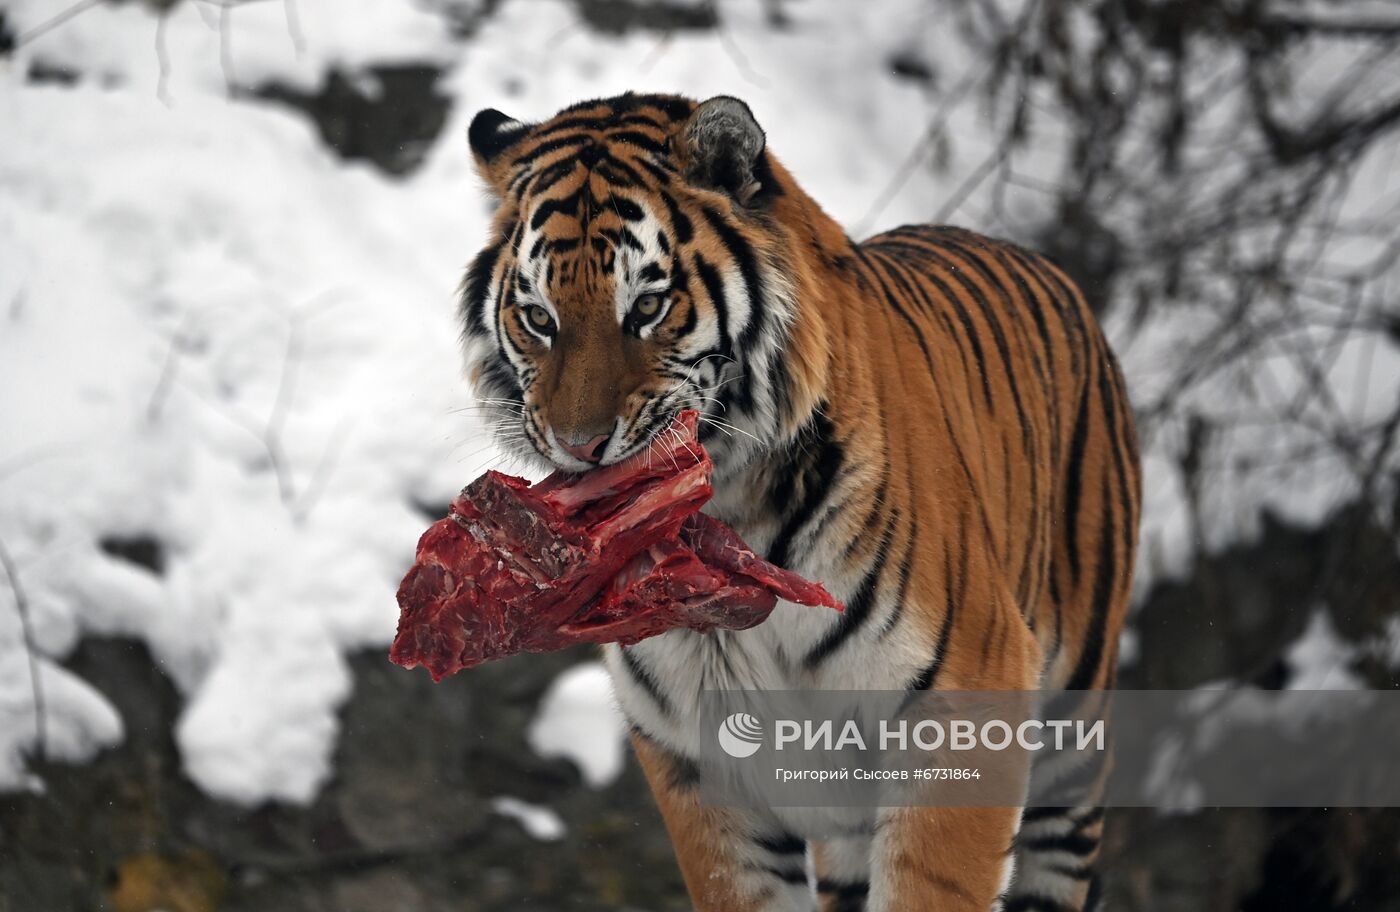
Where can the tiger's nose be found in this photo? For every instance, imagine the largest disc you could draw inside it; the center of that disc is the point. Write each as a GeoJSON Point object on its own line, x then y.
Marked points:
{"type": "Point", "coordinates": [591, 451]}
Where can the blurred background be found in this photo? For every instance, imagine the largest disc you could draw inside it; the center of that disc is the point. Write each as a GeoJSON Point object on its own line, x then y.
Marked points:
{"type": "Point", "coordinates": [230, 400]}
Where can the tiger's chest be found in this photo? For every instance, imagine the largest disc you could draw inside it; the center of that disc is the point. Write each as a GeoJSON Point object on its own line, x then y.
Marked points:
{"type": "Point", "coordinates": [661, 681]}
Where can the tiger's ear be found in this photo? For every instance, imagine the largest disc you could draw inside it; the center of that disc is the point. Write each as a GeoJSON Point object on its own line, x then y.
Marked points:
{"type": "Point", "coordinates": [490, 135]}
{"type": "Point", "coordinates": [720, 147]}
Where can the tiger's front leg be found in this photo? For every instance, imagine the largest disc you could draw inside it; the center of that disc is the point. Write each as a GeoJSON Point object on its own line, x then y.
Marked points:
{"type": "Point", "coordinates": [953, 858]}
{"type": "Point", "coordinates": [949, 859]}
{"type": "Point", "coordinates": [732, 860]}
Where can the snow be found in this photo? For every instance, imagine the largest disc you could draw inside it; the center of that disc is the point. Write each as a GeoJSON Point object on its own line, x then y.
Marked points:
{"type": "Point", "coordinates": [216, 333]}
{"type": "Point", "coordinates": [219, 337]}
{"type": "Point", "coordinates": [579, 720]}
{"type": "Point", "coordinates": [540, 822]}
{"type": "Point", "coordinates": [1321, 660]}
{"type": "Point", "coordinates": [77, 721]}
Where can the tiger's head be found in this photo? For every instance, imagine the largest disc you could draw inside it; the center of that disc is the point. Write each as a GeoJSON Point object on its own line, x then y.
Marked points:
{"type": "Point", "coordinates": [638, 265]}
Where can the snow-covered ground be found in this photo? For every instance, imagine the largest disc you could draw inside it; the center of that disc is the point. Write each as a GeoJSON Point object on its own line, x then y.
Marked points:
{"type": "Point", "coordinates": [216, 334]}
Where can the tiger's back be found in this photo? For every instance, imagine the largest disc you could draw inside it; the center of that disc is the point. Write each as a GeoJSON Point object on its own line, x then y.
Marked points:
{"type": "Point", "coordinates": [1037, 422]}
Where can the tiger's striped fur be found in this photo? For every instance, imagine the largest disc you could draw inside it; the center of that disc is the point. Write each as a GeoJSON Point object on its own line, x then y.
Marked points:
{"type": "Point", "coordinates": [930, 422]}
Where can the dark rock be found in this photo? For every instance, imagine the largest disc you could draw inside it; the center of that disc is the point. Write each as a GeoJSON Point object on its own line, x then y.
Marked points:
{"type": "Point", "coordinates": [1242, 608]}
{"type": "Point", "coordinates": [405, 824]}
{"type": "Point", "coordinates": [908, 65]}
{"type": "Point", "coordinates": [142, 550]}
{"type": "Point", "coordinates": [42, 72]}
{"type": "Point", "coordinates": [386, 115]}
{"type": "Point", "coordinates": [619, 16]}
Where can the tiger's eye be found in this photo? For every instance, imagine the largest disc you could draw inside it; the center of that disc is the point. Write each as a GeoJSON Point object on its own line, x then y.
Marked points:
{"type": "Point", "coordinates": [648, 305]}
{"type": "Point", "coordinates": [539, 316]}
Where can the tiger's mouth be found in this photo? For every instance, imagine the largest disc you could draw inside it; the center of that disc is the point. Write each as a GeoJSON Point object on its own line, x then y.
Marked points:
{"type": "Point", "coordinates": [655, 427]}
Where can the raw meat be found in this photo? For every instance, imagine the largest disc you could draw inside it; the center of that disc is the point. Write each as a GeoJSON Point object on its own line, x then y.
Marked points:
{"type": "Point", "coordinates": [614, 555]}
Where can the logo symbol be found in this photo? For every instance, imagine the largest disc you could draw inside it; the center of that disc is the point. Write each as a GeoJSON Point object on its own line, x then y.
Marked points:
{"type": "Point", "coordinates": [741, 735]}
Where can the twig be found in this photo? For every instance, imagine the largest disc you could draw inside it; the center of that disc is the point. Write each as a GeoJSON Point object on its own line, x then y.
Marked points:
{"type": "Point", "coordinates": [325, 467]}
{"type": "Point", "coordinates": [36, 686]}
{"type": "Point", "coordinates": [161, 391]}
{"type": "Point", "coordinates": [973, 181]}
{"type": "Point", "coordinates": [163, 58]}
{"type": "Point", "coordinates": [289, 10]}
{"type": "Point", "coordinates": [54, 22]}
{"type": "Point", "coordinates": [916, 155]}
{"type": "Point", "coordinates": [226, 47]}
{"type": "Point", "coordinates": [736, 54]}
{"type": "Point", "coordinates": [276, 419]}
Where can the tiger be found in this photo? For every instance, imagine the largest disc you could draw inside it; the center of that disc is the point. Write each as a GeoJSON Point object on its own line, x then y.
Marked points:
{"type": "Point", "coordinates": [929, 422]}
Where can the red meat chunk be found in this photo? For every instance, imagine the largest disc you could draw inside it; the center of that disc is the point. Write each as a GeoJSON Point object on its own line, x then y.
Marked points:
{"type": "Point", "coordinates": [614, 555]}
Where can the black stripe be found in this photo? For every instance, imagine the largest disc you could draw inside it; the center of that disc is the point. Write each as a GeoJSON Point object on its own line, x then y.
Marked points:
{"type": "Point", "coordinates": [1032, 304]}
{"type": "Point", "coordinates": [544, 148]}
{"type": "Point", "coordinates": [877, 509]}
{"type": "Point", "coordinates": [1078, 787]}
{"type": "Point", "coordinates": [980, 504]}
{"type": "Point", "coordinates": [906, 566]}
{"type": "Point", "coordinates": [893, 302]}
{"type": "Point", "coordinates": [595, 122]}
{"type": "Point", "coordinates": [646, 681]}
{"type": "Point", "coordinates": [817, 457]}
{"type": "Point", "coordinates": [787, 875]}
{"type": "Point", "coordinates": [553, 175]}
{"type": "Point", "coordinates": [627, 171]}
{"type": "Point", "coordinates": [624, 207]}
{"type": "Point", "coordinates": [927, 677]}
{"type": "Point", "coordinates": [1029, 902]}
{"type": "Point", "coordinates": [782, 844]}
{"type": "Point", "coordinates": [742, 252]}
{"type": "Point", "coordinates": [840, 888]}
{"type": "Point", "coordinates": [684, 773]}
{"type": "Point", "coordinates": [685, 230]}
{"type": "Point", "coordinates": [1116, 409]}
{"type": "Point", "coordinates": [1095, 894]}
{"type": "Point", "coordinates": [859, 605]}
{"type": "Point", "coordinates": [988, 314]}
{"type": "Point", "coordinates": [972, 261]}
{"type": "Point", "coordinates": [477, 283]}
{"type": "Point", "coordinates": [918, 293]}
{"type": "Point", "coordinates": [638, 139]}
{"type": "Point", "coordinates": [1073, 843]}
{"type": "Point", "coordinates": [662, 176]}
{"type": "Point", "coordinates": [993, 625]}
{"type": "Point", "coordinates": [969, 331]}
{"type": "Point", "coordinates": [1065, 300]}
{"type": "Point", "coordinates": [1092, 653]}
{"type": "Point", "coordinates": [565, 205]}
{"type": "Point", "coordinates": [709, 276]}
{"type": "Point", "coordinates": [691, 318]}
{"type": "Point", "coordinates": [1046, 812]}
{"type": "Point", "coordinates": [1074, 481]}
{"type": "Point", "coordinates": [846, 897]}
